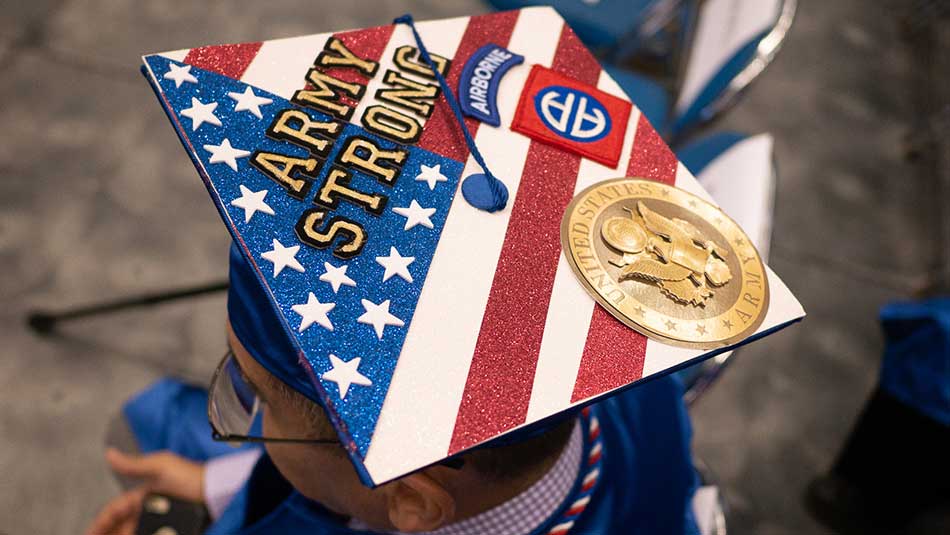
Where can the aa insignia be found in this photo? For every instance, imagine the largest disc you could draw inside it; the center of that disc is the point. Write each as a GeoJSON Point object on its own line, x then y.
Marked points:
{"type": "Point", "coordinates": [665, 262]}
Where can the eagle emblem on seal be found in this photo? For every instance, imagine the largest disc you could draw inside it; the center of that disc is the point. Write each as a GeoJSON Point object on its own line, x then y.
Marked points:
{"type": "Point", "coordinates": [669, 252]}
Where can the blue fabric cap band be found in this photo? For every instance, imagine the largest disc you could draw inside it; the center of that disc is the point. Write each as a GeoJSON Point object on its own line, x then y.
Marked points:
{"type": "Point", "coordinates": [256, 325]}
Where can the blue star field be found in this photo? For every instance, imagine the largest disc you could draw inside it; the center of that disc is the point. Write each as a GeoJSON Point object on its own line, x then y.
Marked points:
{"type": "Point", "coordinates": [359, 410]}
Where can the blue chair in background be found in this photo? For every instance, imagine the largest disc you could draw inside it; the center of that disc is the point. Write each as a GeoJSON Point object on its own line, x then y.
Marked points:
{"type": "Point", "coordinates": [720, 67]}
{"type": "Point", "coordinates": [607, 26]}
{"type": "Point", "coordinates": [721, 48]}
{"type": "Point", "coordinates": [698, 154]}
{"type": "Point", "coordinates": [649, 96]}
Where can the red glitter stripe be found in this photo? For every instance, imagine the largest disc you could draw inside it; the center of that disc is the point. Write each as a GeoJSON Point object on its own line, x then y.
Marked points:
{"type": "Point", "coordinates": [650, 156]}
{"type": "Point", "coordinates": [559, 531]}
{"type": "Point", "coordinates": [589, 485]}
{"type": "Point", "coordinates": [502, 371]}
{"type": "Point", "coordinates": [442, 134]}
{"type": "Point", "coordinates": [614, 353]}
{"type": "Point", "coordinates": [613, 356]}
{"type": "Point", "coordinates": [229, 60]}
{"type": "Point", "coordinates": [575, 510]}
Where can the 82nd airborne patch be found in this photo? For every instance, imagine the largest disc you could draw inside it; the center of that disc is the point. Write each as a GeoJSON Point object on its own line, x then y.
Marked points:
{"type": "Point", "coordinates": [572, 115]}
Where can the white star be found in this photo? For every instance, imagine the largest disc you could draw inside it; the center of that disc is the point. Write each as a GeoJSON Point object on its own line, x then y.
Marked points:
{"type": "Point", "coordinates": [396, 264]}
{"type": "Point", "coordinates": [415, 215]}
{"type": "Point", "coordinates": [313, 311]}
{"type": "Point", "coordinates": [378, 316]}
{"type": "Point", "coordinates": [431, 175]}
{"type": "Point", "coordinates": [248, 101]}
{"type": "Point", "coordinates": [345, 374]}
{"type": "Point", "coordinates": [180, 74]}
{"type": "Point", "coordinates": [225, 153]}
{"type": "Point", "coordinates": [201, 113]}
{"type": "Point", "coordinates": [252, 202]}
{"type": "Point", "coordinates": [283, 257]}
{"type": "Point", "coordinates": [336, 276]}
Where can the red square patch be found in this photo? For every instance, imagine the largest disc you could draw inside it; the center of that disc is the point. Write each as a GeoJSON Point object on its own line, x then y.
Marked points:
{"type": "Point", "coordinates": [577, 117]}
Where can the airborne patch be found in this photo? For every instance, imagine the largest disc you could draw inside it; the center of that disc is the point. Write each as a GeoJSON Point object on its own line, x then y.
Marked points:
{"type": "Point", "coordinates": [478, 83]}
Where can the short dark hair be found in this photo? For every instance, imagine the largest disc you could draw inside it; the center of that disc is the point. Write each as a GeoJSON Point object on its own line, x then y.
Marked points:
{"type": "Point", "coordinates": [510, 461]}
{"type": "Point", "coordinates": [502, 463]}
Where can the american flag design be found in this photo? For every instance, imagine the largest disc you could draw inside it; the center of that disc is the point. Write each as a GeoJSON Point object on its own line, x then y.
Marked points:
{"type": "Point", "coordinates": [496, 333]}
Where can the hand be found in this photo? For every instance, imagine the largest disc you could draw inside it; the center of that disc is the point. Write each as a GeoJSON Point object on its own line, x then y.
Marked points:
{"type": "Point", "coordinates": [162, 473]}
{"type": "Point", "coordinates": [120, 516]}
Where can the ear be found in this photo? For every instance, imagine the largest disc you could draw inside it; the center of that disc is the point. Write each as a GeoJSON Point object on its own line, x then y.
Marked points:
{"type": "Point", "coordinates": [418, 502]}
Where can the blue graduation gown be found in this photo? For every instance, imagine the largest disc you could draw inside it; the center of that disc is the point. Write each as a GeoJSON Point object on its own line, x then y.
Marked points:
{"type": "Point", "coordinates": [645, 487]}
{"type": "Point", "coordinates": [916, 365]}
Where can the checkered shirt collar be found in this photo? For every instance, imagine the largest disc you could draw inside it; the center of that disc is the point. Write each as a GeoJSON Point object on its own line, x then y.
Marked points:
{"type": "Point", "coordinates": [527, 511]}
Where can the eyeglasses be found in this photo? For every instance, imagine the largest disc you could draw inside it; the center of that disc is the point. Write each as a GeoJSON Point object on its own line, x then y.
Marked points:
{"type": "Point", "coordinates": [234, 405]}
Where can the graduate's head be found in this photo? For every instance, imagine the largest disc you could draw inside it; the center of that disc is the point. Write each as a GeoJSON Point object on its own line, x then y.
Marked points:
{"type": "Point", "coordinates": [421, 501]}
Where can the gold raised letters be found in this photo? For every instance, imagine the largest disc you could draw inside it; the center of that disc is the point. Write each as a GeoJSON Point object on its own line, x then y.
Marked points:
{"type": "Point", "coordinates": [336, 188]}
{"type": "Point", "coordinates": [337, 227]}
{"type": "Point", "coordinates": [297, 127]}
{"type": "Point", "coordinates": [342, 57]}
{"type": "Point", "coordinates": [293, 174]}
{"type": "Point", "coordinates": [325, 97]}
{"type": "Point", "coordinates": [392, 124]}
{"type": "Point", "coordinates": [364, 155]}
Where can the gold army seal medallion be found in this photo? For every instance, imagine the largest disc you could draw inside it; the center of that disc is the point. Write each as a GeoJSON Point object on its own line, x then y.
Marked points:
{"type": "Point", "coordinates": [666, 263]}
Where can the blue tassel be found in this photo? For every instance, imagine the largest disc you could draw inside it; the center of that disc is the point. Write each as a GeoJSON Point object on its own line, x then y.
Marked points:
{"type": "Point", "coordinates": [483, 191]}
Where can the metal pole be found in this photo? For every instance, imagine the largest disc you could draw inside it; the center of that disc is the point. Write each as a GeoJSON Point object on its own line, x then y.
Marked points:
{"type": "Point", "coordinates": [44, 321]}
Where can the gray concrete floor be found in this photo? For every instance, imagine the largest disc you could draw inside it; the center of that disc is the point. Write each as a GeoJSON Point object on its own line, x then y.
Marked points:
{"type": "Point", "coordinates": [97, 200]}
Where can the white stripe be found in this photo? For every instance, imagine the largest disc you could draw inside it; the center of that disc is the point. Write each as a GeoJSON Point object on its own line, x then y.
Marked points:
{"type": "Point", "coordinates": [571, 308]}
{"type": "Point", "coordinates": [591, 476]}
{"type": "Point", "coordinates": [281, 66]}
{"type": "Point", "coordinates": [660, 356]}
{"type": "Point", "coordinates": [582, 502]}
{"type": "Point", "coordinates": [176, 55]}
{"type": "Point", "coordinates": [441, 37]}
{"type": "Point", "coordinates": [595, 451]}
{"type": "Point", "coordinates": [415, 429]}
{"type": "Point", "coordinates": [686, 181]}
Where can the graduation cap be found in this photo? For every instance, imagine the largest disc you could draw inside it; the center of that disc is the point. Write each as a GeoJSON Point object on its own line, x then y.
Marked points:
{"type": "Point", "coordinates": [422, 323]}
